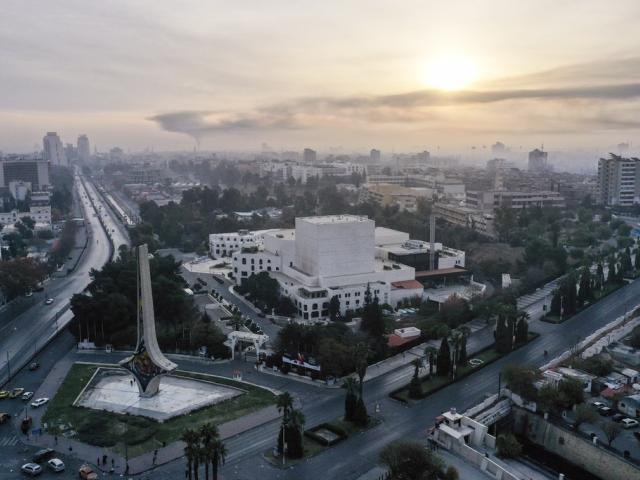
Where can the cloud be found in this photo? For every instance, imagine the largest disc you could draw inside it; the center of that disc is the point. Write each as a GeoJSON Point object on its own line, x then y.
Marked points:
{"type": "Point", "coordinates": [586, 97]}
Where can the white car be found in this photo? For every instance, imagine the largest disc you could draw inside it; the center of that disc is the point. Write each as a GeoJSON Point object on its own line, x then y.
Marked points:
{"type": "Point", "coordinates": [31, 469]}
{"type": "Point", "coordinates": [629, 423]}
{"type": "Point", "coordinates": [56, 465]}
{"type": "Point", "coordinates": [49, 301]}
{"type": "Point", "coordinates": [39, 402]}
{"type": "Point", "coordinates": [27, 396]}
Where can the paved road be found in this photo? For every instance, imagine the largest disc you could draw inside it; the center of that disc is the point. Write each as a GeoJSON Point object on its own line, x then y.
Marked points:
{"type": "Point", "coordinates": [356, 456]}
{"type": "Point", "coordinates": [21, 337]}
{"type": "Point", "coordinates": [116, 230]}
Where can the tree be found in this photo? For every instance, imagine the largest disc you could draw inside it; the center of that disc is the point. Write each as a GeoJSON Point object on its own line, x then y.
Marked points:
{"type": "Point", "coordinates": [612, 277]}
{"type": "Point", "coordinates": [611, 430]}
{"type": "Point", "coordinates": [585, 293]}
{"type": "Point", "coordinates": [451, 474]}
{"type": "Point", "coordinates": [350, 399]}
{"type": "Point", "coordinates": [522, 328]}
{"type": "Point", "coordinates": [599, 280]}
{"type": "Point", "coordinates": [520, 380]}
{"type": "Point", "coordinates": [556, 303]}
{"type": "Point", "coordinates": [584, 414]}
{"type": "Point", "coordinates": [503, 335]}
{"type": "Point", "coordinates": [208, 434]}
{"type": "Point", "coordinates": [430, 356]}
{"type": "Point", "coordinates": [218, 456]}
{"type": "Point", "coordinates": [508, 446]}
{"type": "Point", "coordinates": [407, 460]}
{"type": "Point", "coordinates": [415, 386]}
{"type": "Point", "coordinates": [570, 393]}
{"type": "Point", "coordinates": [284, 403]}
{"type": "Point", "coordinates": [191, 439]}
{"type": "Point", "coordinates": [505, 223]}
{"type": "Point", "coordinates": [636, 259]}
{"type": "Point", "coordinates": [19, 276]}
{"type": "Point", "coordinates": [361, 359]}
{"type": "Point", "coordinates": [625, 261]}
{"type": "Point", "coordinates": [372, 320]}
{"type": "Point", "coordinates": [455, 311]}
{"type": "Point", "coordinates": [444, 359]}
{"type": "Point", "coordinates": [547, 397]}
{"type": "Point", "coordinates": [334, 308]}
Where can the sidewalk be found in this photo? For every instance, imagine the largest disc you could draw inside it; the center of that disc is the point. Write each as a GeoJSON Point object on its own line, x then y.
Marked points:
{"type": "Point", "coordinates": [138, 464]}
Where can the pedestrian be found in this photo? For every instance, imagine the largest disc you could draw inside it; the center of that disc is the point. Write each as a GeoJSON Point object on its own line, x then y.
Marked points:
{"type": "Point", "coordinates": [104, 459]}
{"type": "Point", "coordinates": [55, 439]}
{"type": "Point", "coordinates": [98, 461]}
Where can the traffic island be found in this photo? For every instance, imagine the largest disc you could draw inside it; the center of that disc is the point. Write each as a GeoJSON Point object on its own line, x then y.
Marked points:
{"type": "Point", "coordinates": [320, 438]}
{"type": "Point", "coordinates": [432, 383]}
{"type": "Point", "coordinates": [69, 416]}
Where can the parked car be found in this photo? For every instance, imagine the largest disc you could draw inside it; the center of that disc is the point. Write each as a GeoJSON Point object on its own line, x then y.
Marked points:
{"type": "Point", "coordinates": [56, 465]}
{"type": "Point", "coordinates": [629, 423]}
{"type": "Point", "coordinates": [43, 455]}
{"type": "Point", "coordinates": [34, 366]}
{"type": "Point", "coordinates": [87, 473]}
{"type": "Point", "coordinates": [27, 396]}
{"type": "Point", "coordinates": [606, 411]}
{"type": "Point", "coordinates": [16, 392]}
{"type": "Point", "coordinates": [39, 402]}
{"type": "Point", "coordinates": [31, 469]}
{"type": "Point", "coordinates": [618, 417]}
{"type": "Point", "coordinates": [4, 394]}
{"type": "Point", "coordinates": [597, 405]}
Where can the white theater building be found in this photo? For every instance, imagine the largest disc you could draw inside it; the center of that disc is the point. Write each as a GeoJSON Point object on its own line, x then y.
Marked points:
{"type": "Point", "coordinates": [327, 256]}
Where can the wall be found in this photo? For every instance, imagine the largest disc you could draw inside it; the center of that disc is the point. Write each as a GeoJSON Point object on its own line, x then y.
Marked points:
{"type": "Point", "coordinates": [580, 451]}
{"type": "Point", "coordinates": [331, 246]}
{"type": "Point", "coordinates": [485, 464]}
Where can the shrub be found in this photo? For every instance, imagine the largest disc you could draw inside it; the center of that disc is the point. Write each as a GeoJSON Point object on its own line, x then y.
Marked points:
{"type": "Point", "coordinates": [508, 446]}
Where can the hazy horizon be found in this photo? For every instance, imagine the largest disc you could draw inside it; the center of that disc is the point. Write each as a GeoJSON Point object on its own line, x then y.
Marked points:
{"type": "Point", "coordinates": [326, 75]}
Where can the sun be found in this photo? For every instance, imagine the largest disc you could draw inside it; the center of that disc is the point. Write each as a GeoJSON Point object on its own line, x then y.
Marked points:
{"type": "Point", "coordinates": [450, 72]}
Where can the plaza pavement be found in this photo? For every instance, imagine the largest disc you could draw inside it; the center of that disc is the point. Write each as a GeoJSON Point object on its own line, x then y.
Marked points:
{"type": "Point", "coordinates": [138, 464]}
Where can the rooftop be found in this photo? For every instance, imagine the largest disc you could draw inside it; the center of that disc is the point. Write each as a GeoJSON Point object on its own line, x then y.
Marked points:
{"type": "Point", "coordinates": [327, 219]}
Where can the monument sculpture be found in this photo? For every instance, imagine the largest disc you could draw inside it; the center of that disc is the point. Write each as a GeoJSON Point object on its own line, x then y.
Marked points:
{"type": "Point", "coordinates": [147, 364]}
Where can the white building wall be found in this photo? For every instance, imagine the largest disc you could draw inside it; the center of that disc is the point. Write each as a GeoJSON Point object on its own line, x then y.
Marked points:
{"type": "Point", "coordinates": [334, 245]}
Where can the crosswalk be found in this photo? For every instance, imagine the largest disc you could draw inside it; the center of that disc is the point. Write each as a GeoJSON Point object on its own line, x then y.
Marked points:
{"type": "Point", "coordinates": [8, 441]}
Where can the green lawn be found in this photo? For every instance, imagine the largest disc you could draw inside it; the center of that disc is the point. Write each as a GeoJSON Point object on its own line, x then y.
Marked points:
{"type": "Point", "coordinates": [110, 429]}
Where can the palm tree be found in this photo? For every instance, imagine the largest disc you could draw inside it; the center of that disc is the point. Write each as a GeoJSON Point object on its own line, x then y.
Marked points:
{"type": "Point", "coordinates": [295, 425]}
{"type": "Point", "coordinates": [285, 404]}
{"type": "Point", "coordinates": [430, 355]}
{"type": "Point", "coordinates": [236, 321]}
{"type": "Point", "coordinates": [351, 398]}
{"type": "Point", "coordinates": [464, 332]}
{"type": "Point", "coordinates": [191, 438]}
{"type": "Point", "coordinates": [208, 435]}
{"type": "Point", "coordinates": [218, 456]}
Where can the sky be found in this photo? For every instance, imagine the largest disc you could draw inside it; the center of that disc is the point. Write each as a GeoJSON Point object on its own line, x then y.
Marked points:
{"type": "Point", "coordinates": [335, 75]}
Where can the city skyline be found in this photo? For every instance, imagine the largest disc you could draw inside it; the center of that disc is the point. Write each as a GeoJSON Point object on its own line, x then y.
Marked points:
{"type": "Point", "coordinates": [353, 76]}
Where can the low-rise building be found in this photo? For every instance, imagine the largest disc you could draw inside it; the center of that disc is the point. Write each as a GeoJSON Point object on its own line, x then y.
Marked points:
{"type": "Point", "coordinates": [387, 194]}
{"type": "Point", "coordinates": [224, 244]}
{"type": "Point", "coordinates": [334, 256]}
{"type": "Point", "coordinates": [481, 222]}
{"type": "Point", "coordinates": [492, 199]}
{"type": "Point", "coordinates": [630, 405]}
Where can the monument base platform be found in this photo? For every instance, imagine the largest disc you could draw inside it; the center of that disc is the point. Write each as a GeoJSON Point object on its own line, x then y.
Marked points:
{"type": "Point", "coordinates": [115, 391]}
